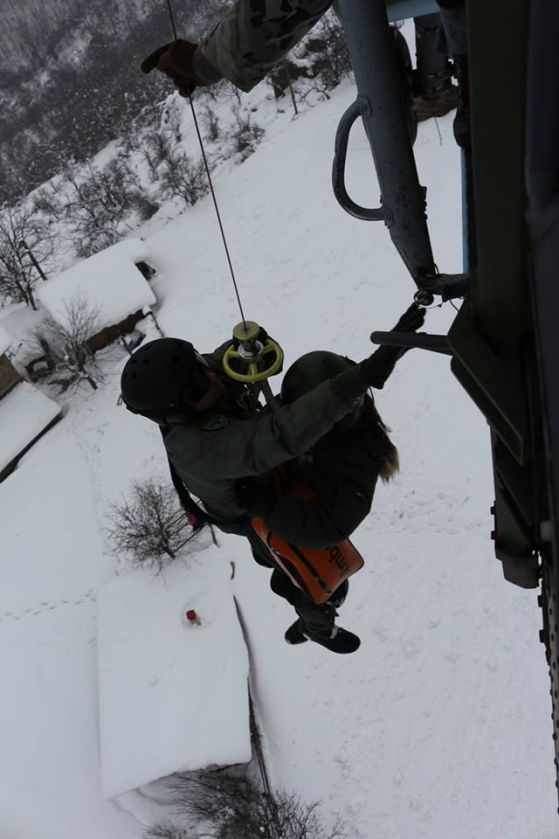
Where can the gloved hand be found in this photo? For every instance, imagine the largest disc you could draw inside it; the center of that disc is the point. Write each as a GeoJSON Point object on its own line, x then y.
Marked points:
{"type": "Point", "coordinates": [377, 368]}
{"type": "Point", "coordinates": [411, 320]}
{"type": "Point", "coordinates": [176, 61]}
{"type": "Point", "coordinates": [254, 497]}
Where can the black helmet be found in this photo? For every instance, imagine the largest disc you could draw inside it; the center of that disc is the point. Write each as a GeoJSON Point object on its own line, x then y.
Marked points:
{"type": "Point", "coordinates": [164, 379]}
{"type": "Point", "coordinates": [311, 370]}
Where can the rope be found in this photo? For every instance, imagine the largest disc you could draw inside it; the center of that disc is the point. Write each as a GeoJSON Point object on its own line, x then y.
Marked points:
{"type": "Point", "coordinates": [218, 214]}
{"type": "Point", "coordinates": [173, 25]}
{"type": "Point", "coordinates": [210, 182]}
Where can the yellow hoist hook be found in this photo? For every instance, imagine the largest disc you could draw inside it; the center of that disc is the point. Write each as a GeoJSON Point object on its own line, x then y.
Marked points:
{"type": "Point", "coordinates": [250, 351]}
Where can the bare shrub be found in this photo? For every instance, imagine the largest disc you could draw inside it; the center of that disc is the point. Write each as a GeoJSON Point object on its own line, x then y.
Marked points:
{"type": "Point", "coordinates": [324, 53]}
{"type": "Point", "coordinates": [47, 200]}
{"type": "Point", "coordinates": [183, 178]}
{"type": "Point", "coordinates": [166, 831]}
{"type": "Point", "coordinates": [211, 122]}
{"type": "Point", "coordinates": [63, 345]}
{"type": "Point", "coordinates": [235, 808]}
{"type": "Point", "coordinates": [285, 74]}
{"type": "Point", "coordinates": [331, 59]}
{"type": "Point", "coordinates": [245, 133]}
{"type": "Point", "coordinates": [176, 174]}
{"type": "Point", "coordinates": [151, 527]}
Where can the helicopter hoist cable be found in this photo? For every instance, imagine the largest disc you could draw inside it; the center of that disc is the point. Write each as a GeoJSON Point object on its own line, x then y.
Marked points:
{"type": "Point", "coordinates": [210, 182]}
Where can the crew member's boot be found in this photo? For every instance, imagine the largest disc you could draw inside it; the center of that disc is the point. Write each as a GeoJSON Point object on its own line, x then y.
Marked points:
{"type": "Point", "coordinates": [434, 93]}
{"type": "Point", "coordinates": [438, 99]}
{"type": "Point", "coordinates": [339, 640]}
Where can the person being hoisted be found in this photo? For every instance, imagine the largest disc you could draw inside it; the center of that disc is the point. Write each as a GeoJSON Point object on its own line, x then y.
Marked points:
{"type": "Point", "coordinates": [215, 446]}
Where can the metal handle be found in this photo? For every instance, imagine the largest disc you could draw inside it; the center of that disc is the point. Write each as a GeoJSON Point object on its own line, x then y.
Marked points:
{"type": "Point", "coordinates": [410, 340]}
{"type": "Point", "coordinates": [354, 111]}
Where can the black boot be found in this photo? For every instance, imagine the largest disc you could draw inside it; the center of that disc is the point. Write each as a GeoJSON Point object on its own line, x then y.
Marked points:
{"type": "Point", "coordinates": [340, 640]}
{"type": "Point", "coordinates": [434, 93]}
{"type": "Point", "coordinates": [437, 103]}
{"type": "Point", "coordinates": [294, 635]}
{"type": "Point", "coordinates": [461, 126]}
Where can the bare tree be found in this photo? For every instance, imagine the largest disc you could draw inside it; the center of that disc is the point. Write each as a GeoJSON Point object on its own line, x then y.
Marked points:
{"type": "Point", "coordinates": [99, 203]}
{"type": "Point", "coordinates": [24, 245]}
{"type": "Point", "coordinates": [63, 343]}
{"type": "Point", "coordinates": [151, 527]}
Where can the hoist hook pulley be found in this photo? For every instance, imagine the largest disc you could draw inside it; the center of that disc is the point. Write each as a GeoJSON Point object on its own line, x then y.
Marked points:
{"type": "Point", "coordinates": [256, 351]}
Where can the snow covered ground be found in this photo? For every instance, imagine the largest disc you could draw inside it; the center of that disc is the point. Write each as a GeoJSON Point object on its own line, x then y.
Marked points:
{"type": "Point", "coordinates": [25, 414]}
{"type": "Point", "coordinates": [440, 725]}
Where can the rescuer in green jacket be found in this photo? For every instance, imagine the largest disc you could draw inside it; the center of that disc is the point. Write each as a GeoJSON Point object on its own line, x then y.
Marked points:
{"type": "Point", "coordinates": [212, 441]}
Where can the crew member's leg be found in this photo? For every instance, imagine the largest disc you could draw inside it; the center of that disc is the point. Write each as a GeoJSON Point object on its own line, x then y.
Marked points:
{"type": "Point", "coordinates": [454, 41]}
{"type": "Point", "coordinates": [434, 93]}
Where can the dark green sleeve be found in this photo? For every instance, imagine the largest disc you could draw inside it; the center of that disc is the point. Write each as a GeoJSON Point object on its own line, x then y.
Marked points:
{"type": "Point", "coordinates": [252, 447]}
{"type": "Point", "coordinates": [254, 35]}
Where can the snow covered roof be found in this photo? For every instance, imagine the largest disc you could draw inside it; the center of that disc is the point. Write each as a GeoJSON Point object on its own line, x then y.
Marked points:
{"type": "Point", "coordinates": [5, 341]}
{"type": "Point", "coordinates": [109, 281]}
{"type": "Point", "coordinates": [24, 413]}
{"type": "Point", "coordinates": [173, 696]}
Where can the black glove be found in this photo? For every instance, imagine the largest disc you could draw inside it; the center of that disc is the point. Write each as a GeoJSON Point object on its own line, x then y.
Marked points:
{"type": "Point", "coordinates": [176, 61]}
{"type": "Point", "coordinates": [254, 497]}
{"type": "Point", "coordinates": [377, 368]}
{"type": "Point", "coordinates": [411, 320]}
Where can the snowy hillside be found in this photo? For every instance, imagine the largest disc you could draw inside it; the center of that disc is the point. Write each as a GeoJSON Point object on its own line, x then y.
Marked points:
{"type": "Point", "coordinates": [439, 726]}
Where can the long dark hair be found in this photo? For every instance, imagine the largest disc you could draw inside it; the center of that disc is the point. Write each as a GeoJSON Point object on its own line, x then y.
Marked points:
{"type": "Point", "coordinates": [388, 453]}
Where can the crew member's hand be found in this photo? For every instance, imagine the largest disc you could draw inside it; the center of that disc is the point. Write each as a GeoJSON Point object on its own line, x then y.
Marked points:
{"type": "Point", "coordinates": [411, 320]}
{"type": "Point", "coordinates": [175, 60]}
{"type": "Point", "coordinates": [377, 368]}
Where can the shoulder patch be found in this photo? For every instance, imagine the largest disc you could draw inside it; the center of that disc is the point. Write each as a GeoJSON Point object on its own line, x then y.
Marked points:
{"type": "Point", "coordinates": [215, 423]}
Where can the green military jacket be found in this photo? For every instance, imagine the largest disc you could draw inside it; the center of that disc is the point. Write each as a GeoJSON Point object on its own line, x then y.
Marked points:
{"type": "Point", "coordinates": [253, 36]}
{"type": "Point", "coordinates": [226, 444]}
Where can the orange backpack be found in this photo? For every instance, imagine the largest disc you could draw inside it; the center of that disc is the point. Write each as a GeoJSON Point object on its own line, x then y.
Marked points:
{"type": "Point", "coordinates": [317, 571]}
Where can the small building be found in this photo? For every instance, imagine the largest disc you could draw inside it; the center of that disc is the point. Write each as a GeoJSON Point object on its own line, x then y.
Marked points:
{"type": "Point", "coordinates": [25, 413]}
{"type": "Point", "coordinates": [9, 377]}
{"type": "Point", "coordinates": [112, 283]}
{"type": "Point", "coordinates": [173, 690]}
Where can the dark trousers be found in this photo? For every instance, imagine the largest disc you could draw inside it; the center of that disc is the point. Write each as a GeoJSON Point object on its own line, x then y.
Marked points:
{"type": "Point", "coordinates": [317, 620]}
{"type": "Point", "coordinates": [453, 35]}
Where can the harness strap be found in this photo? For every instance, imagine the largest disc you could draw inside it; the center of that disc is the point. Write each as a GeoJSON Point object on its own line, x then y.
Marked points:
{"type": "Point", "coordinates": [197, 517]}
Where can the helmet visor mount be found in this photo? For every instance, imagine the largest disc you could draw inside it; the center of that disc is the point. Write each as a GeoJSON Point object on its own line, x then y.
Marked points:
{"type": "Point", "coordinates": [197, 386]}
